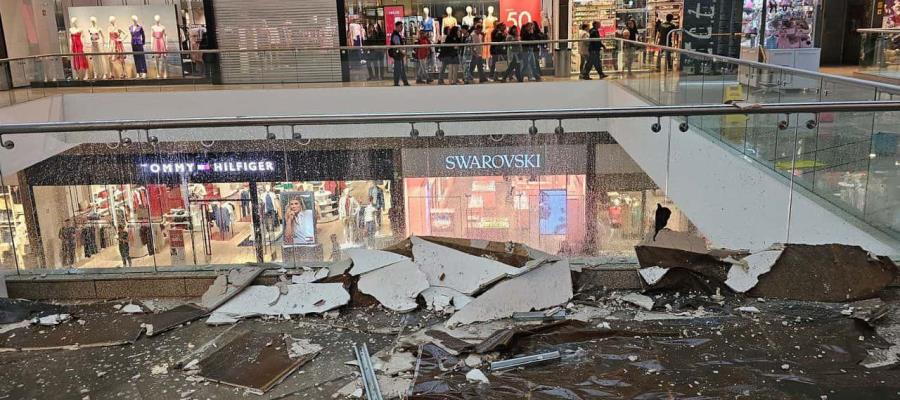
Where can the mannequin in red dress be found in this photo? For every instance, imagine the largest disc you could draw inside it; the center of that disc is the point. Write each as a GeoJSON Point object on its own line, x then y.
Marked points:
{"type": "Point", "coordinates": [76, 46]}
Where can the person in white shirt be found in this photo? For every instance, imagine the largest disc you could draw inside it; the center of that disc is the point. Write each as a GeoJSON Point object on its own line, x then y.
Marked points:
{"type": "Point", "coordinates": [369, 215]}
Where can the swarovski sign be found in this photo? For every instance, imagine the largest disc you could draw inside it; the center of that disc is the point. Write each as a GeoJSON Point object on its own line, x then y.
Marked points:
{"type": "Point", "coordinates": [207, 167]}
{"type": "Point", "coordinates": [495, 161]}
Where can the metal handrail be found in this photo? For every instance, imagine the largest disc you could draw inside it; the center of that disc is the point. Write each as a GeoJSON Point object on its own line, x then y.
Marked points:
{"type": "Point", "coordinates": [566, 42]}
{"type": "Point", "coordinates": [443, 117]}
{"type": "Point", "coordinates": [878, 30]}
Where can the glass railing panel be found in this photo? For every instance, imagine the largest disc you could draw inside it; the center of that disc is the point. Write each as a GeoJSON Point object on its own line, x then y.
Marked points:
{"type": "Point", "coordinates": [882, 203]}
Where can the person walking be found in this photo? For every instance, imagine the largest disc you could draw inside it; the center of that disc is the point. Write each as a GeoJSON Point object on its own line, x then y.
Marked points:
{"type": "Point", "coordinates": [595, 53]}
{"type": "Point", "coordinates": [663, 38]}
{"type": "Point", "coordinates": [476, 51]}
{"type": "Point", "coordinates": [449, 56]}
{"type": "Point", "coordinates": [630, 33]}
{"type": "Point", "coordinates": [375, 58]}
{"type": "Point", "coordinates": [465, 52]}
{"type": "Point", "coordinates": [497, 52]}
{"type": "Point", "coordinates": [514, 55]}
{"type": "Point", "coordinates": [399, 55]}
{"type": "Point", "coordinates": [423, 54]}
{"type": "Point", "coordinates": [124, 246]}
{"type": "Point", "coordinates": [530, 67]}
{"type": "Point", "coordinates": [583, 51]}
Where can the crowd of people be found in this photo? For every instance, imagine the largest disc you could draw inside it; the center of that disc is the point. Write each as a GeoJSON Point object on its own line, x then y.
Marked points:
{"type": "Point", "coordinates": [463, 61]}
{"type": "Point", "coordinates": [510, 56]}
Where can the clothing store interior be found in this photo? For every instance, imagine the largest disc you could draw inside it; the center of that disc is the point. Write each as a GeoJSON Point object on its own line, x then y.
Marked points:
{"type": "Point", "coordinates": [101, 226]}
{"type": "Point", "coordinates": [542, 211]}
{"type": "Point", "coordinates": [371, 22]}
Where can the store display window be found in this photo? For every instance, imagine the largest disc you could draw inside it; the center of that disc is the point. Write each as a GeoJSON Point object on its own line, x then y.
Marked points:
{"type": "Point", "coordinates": [788, 24]}
{"type": "Point", "coordinates": [624, 218]}
{"type": "Point", "coordinates": [14, 244]}
{"type": "Point", "coordinates": [542, 211]}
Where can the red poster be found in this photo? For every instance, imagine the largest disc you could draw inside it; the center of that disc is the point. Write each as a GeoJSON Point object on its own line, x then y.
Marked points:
{"type": "Point", "coordinates": [392, 14]}
{"type": "Point", "coordinates": [520, 12]}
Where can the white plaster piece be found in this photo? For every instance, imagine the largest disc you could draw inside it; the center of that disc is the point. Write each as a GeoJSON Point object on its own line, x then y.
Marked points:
{"type": "Point", "coordinates": [438, 298]}
{"type": "Point", "coordinates": [395, 286]}
{"type": "Point", "coordinates": [588, 313]}
{"type": "Point", "coordinates": [227, 285]}
{"type": "Point", "coordinates": [638, 300]}
{"type": "Point", "coordinates": [339, 267]}
{"type": "Point", "coordinates": [473, 360]}
{"type": "Point", "coordinates": [659, 316]}
{"type": "Point", "coordinates": [366, 260]}
{"type": "Point", "coordinates": [546, 286]}
{"type": "Point", "coordinates": [396, 363]}
{"type": "Point", "coordinates": [749, 310]}
{"type": "Point", "coordinates": [51, 320]}
{"type": "Point", "coordinates": [741, 278]}
{"type": "Point", "coordinates": [475, 375]}
{"type": "Point", "coordinates": [391, 388]}
{"type": "Point", "coordinates": [131, 309]}
{"type": "Point", "coordinates": [300, 347]}
{"type": "Point", "coordinates": [216, 319]}
{"type": "Point", "coordinates": [302, 298]}
{"type": "Point", "coordinates": [447, 267]}
{"type": "Point", "coordinates": [310, 276]}
{"type": "Point", "coordinates": [652, 275]}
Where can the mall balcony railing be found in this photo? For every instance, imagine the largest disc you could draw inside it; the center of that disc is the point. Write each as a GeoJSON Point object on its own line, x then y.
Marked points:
{"type": "Point", "coordinates": [879, 56]}
{"type": "Point", "coordinates": [860, 177]}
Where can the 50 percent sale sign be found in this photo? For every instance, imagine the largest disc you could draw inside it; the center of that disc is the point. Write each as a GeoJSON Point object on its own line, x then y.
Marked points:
{"type": "Point", "coordinates": [520, 12]}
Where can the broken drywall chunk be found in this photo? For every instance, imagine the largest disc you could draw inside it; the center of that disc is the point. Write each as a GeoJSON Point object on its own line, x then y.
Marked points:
{"type": "Point", "coordinates": [310, 276]}
{"type": "Point", "coordinates": [439, 298]}
{"type": "Point", "coordinates": [391, 388]}
{"type": "Point", "coordinates": [745, 274]}
{"type": "Point", "coordinates": [546, 286]}
{"type": "Point", "coordinates": [337, 268]}
{"type": "Point", "coordinates": [748, 309]}
{"type": "Point", "coordinates": [669, 239]}
{"type": "Point", "coordinates": [366, 260]}
{"type": "Point", "coordinates": [131, 309]}
{"type": "Point", "coordinates": [475, 375]}
{"type": "Point", "coordinates": [652, 275]}
{"type": "Point", "coordinates": [302, 298]}
{"type": "Point", "coordinates": [51, 320]}
{"type": "Point", "coordinates": [828, 272]}
{"type": "Point", "coordinates": [3, 292]}
{"type": "Point", "coordinates": [228, 285]}
{"type": "Point", "coordinates": [395, 363]}
{"type": "Point", "coordinates": [216, 319]}
{"type": "Point", "coordinates": [395, 286]}
{"type": "Point", "coordinates": [300, 347]}
{"type": "Point", "coordinates": [465, 273]}
{"type": "Point", "coordinates": [639, 300]}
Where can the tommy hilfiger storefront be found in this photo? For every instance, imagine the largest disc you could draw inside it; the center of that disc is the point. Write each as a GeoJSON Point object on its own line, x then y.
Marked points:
{"type": "Point", "coordinates": [149, 210]}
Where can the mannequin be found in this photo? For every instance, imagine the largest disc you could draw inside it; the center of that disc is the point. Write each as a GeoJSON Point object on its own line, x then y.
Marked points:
{"type": "Point", "coordinates": [448, 22]}
{"type": "Point", "coordinates": [489, 22]}
{"type": "Point", "coordinates": [159, 47]}
{"type": "Point", "coordinates": [76, 46]}
{"type": "Point", "coordinates": [357, 34]}
{"type": "Point", "coordinates": [348, 208]}
{"type": "Point", "coordinates": [137, 46]}
{"type": "Point", "coordinates": [427, 21]}
{"type": "Point", "coordinates": [469, 19]}
{"type": "Point", "coordinates": [116, 36]}
{"type": "Point", "coordinates": [98, 44]}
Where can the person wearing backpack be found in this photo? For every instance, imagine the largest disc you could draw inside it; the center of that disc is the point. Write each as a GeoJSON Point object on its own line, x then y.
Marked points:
{"type": "Point", "coordinates": [399, 55]}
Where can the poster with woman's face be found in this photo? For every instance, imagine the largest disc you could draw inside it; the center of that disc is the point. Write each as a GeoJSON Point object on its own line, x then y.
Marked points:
{"type": "Point", "coordinates": [299, 221]}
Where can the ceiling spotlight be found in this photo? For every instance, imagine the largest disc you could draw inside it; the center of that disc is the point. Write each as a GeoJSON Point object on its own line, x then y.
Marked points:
{"type": "Point", "coordinates": [439, 132]}
{"type": "Point", "coordinates": [657, 126]}
{"type": "Point", "coordinates": [684, 126]}
{"type": "Point", "coordinates": [269, 134]}
{"type": "Point", "coordinates": [207, 143]}
{"type": "Point", "coordinates": [125, 141]}
{"type": "Point", "coordinates": [496, 137]}
{"type": "Point", "coordinates": [6, 144]}
{"type": "Point", "coordinates": [413, 132]}
{"type": "Point", "coordinates": [532, 130]}
{"type": "Point", "coordinates": [294, 134]}
{"type": "Point", "coordinates": [153, 140]}
{"type": "Point", "coordinates": [811, 124]}
{"type": "Point", "coordinates": [559, 129]}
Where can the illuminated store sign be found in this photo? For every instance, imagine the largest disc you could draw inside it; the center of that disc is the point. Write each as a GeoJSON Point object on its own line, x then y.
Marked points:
{"type": "Point", "coordinates": [495, 161]}
{"type": "Point", "coordinates": [215, 167]}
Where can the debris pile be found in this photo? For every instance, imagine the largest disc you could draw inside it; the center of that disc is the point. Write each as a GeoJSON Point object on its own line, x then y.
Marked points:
{"type": "Point", "coordinates": [479, 319]}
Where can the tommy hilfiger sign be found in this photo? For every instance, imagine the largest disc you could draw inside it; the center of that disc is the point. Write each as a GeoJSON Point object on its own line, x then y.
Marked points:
{"type": "Point", "coordinates": [215, 167]}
